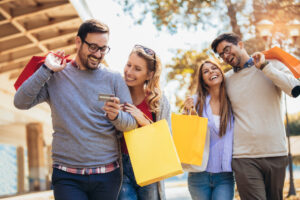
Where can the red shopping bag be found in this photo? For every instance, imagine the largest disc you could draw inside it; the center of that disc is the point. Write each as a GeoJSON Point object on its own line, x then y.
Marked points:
{"type": "Point", "coordinates": [34, 64]}
{"type": "Point", "coordinates": [287, 59]}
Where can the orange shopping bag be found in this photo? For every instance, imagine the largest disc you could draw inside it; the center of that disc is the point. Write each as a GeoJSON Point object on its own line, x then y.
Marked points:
{"type": "Point", "coordinates": [287, 59]}
{"type": "Point", "coordinates": [152, 153]}
{"type": "Point", "coordinates": [189, 134]}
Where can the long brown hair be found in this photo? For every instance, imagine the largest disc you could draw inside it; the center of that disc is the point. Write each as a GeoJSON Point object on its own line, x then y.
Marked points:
{"type": "Point", "coordinates": [151, 86]}
{"type": "Point", "coordinates": [202, 93]}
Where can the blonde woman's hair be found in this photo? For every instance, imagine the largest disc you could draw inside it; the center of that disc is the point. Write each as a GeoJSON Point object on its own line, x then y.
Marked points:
{"type": "Point", "coordinates": [202, 93]}
{"type": "Point", "coordinates": [151, 86]}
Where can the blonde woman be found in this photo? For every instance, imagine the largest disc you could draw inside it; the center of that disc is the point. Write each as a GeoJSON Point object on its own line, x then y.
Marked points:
{"type": "Point", "coordinates": [211, 101]}
{"type": "Point", "coordinates": [142, 76]}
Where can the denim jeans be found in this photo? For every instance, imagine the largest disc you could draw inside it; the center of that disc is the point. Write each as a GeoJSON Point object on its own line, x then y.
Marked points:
{"type": "Point", "coordinates": [130, 190]}
{"type": "Point", "coordinates": [68, 186]}
{"type": "Point", "coordinates": [211, 186]}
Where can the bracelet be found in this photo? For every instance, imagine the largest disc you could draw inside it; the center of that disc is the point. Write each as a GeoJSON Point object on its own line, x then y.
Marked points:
{"type": "Point", "coordinates": [48, 69]}
{"type": "Point", "coordinates": [263, 65]}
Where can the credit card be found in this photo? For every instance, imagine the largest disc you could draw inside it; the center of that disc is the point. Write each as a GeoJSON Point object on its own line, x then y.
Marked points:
{"type": "Point", "coordinates": [105, 97]}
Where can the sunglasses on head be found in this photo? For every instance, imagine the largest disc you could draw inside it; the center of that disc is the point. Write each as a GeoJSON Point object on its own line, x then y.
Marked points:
{"type": "Point", "coordinates": [147, 50]}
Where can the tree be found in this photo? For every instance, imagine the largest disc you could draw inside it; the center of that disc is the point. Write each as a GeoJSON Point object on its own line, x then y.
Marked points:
{"type": "Point", "coordinates": [281, 14]}
{"type": "Point", "coordinates": [172, 14]}
{"type": "Point", "coordinates": [241, 16]}
{"type": "Point", "coordinates": [294, 124]}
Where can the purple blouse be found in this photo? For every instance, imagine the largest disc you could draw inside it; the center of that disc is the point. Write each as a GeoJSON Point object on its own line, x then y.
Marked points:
{"type": "Point", "coordinates": [220, 148]}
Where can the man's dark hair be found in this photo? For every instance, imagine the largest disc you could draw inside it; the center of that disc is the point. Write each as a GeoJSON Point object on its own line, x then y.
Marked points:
{"type": "Point", "coordinates": [91, 26]}
{"type": "Point", "coordinates": [229, 37]}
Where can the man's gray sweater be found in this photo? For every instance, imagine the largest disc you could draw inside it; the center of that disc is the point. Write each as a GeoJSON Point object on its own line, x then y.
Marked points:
{"type": "Point", "coordinates": [83, 135]}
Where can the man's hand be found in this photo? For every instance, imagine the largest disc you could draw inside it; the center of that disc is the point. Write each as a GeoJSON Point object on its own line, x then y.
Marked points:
{"type": "Point", "coordinates": [55, 62]}
{"type": "Point", "coordinates": [259, 60]}
{"type": "Point", "coordinates": [112, 108]}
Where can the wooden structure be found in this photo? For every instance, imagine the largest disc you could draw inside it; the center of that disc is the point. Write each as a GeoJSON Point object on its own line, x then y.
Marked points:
{"type": "Point", "coordinates": [34, 27]}
{"type": "Point", "coordinates": [28, 28]}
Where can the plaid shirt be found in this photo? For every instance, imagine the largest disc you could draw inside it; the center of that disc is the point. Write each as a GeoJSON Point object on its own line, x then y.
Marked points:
{"type": "Point", "coordinates": [88, 171]}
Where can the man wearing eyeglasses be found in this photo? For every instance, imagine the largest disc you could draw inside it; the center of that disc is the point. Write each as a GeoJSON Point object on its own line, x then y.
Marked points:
{"type": "Point", "coordinates": [85, 144]}
{"type": "Point", "coordinates": [254, 87]}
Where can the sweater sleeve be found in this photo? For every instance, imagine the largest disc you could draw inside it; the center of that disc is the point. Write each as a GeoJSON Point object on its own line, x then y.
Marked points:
{"type": "Point", "coordinates": [125, 121]}
{"type": "Point", "coordinates": [281, 76]}
{"type": "Point", "coordinates": [165, 110]}
{"type": "Point", "coordinates": [33, 91]}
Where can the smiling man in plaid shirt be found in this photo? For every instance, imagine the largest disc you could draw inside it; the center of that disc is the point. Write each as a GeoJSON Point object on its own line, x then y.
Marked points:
{"type": "Point", "coordinates": [85, 145]}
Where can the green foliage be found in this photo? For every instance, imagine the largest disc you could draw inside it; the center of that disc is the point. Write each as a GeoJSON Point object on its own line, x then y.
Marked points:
{"type": "Point", "coordinates": [294, 124]}
{"type": "Point", "coordinates": [172, 14]}
{"type": "Point", "coordinates": [279, 12]}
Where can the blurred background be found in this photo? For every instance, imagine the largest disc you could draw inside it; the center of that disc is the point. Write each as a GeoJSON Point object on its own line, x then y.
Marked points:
{"type": "Point", "coordinates": [179, 31]}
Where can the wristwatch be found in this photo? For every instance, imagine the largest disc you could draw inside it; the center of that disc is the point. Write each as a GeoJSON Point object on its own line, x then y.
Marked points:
{"type": "Point", "coordinates": [262, 66]}
{"type": "Point", "coordinates": [48, 69]}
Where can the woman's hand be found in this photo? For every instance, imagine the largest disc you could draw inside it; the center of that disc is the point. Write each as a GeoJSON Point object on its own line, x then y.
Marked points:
{"type": "Point", "coordinates": [112, 108]}
{"type": "Point", "coordinates": [189, 107]}
{"type": "Point", "coordinates": [136, 113]}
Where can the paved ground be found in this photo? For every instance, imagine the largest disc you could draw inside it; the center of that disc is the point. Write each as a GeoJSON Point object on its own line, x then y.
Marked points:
{"type": "Point", "coordinates": [178, 193]}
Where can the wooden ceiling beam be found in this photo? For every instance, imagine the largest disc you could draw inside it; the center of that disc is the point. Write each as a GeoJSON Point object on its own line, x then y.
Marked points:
{"type": "Point", "coordinates": [9, 37]}
{"type": "Point", "coordinates": [60, 37]}
{"type": "Point", "coordinates": [22, 29]}
{"type": "Point", "coordinates": [5, 1]}
{"type": "Point", "coordinates": [48, 26]}
{"type": "Point", "coordinates": [43, 42]}
{"type": "Point", "coordinates": [5, 14]}
{"type": "Point", "coordinates": [19, 48]}
{"type": "Point", "coordinates": [4, 21]}
{"type": "Point", "coordinates": [28, 12]}
{"type": "Point", "coordinates": [11, 65]}
{"type": "Point", "coordinates": [45, 27]}
{"type": "Point", "coordinates": [29, 35]}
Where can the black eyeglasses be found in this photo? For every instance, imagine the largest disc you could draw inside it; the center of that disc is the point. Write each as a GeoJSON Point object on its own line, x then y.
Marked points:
{"type": "Point", "coordinates": [93, 48]}
{"type": "Point", "coordinates": [226, 50]}
{"type": "Point", "coordinates": [148, 51]}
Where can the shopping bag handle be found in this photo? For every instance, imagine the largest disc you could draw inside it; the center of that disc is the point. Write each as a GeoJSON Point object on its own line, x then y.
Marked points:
{"type": "Point", "coordinates": [151, 122]}
{"type": "Point", "coordinates": [61, 57]}
{"type": "Point", "coordinates": [189, 111]}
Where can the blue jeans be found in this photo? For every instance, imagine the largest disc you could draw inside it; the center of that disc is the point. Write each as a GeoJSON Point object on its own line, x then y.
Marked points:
{"type": "Point", "coordinates": [211, 186]}
{"type": "Point", "coordinates": [130, 190]}
{"type": "Point", "coordinates": [68, 186]}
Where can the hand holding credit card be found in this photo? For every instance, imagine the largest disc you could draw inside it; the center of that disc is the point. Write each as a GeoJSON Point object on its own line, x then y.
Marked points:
{"type": "Point", "coordinates": [105, 97]}
{"type": "Point", "coordinates": [111, 105]}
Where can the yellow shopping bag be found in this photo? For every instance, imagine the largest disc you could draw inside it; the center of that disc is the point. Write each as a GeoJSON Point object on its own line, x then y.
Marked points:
{"type": "Point", "coordinates": [152, 153]}
{"type": "Point", "coordinates": [189, 134]}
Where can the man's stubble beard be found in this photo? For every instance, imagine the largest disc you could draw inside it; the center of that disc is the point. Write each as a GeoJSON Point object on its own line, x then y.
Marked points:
{"type": "Point", "coordinates": [84, 60]}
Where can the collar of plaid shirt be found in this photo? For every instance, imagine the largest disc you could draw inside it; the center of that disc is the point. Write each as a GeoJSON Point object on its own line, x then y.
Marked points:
{"type": "Point", "coordinates": [249, 63]}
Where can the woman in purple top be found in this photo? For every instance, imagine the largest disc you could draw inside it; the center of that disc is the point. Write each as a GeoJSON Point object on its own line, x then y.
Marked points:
{"type": "Point", "coordinates": [214, 180]}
